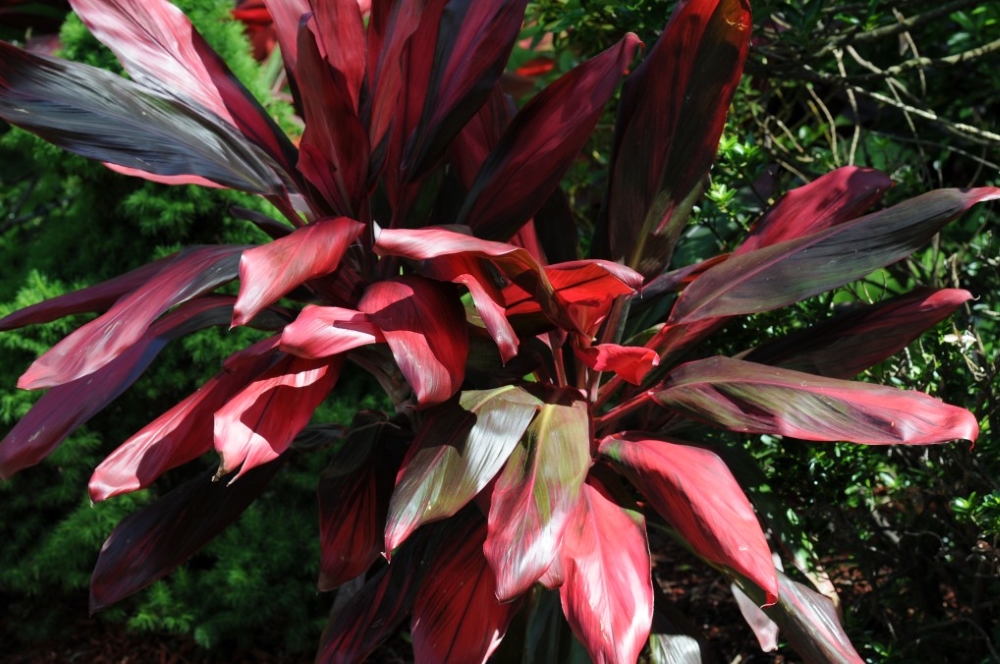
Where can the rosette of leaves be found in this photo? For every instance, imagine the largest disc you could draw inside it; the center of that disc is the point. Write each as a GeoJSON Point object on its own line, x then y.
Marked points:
{"type": "Point", "coordinates": [543, 401]}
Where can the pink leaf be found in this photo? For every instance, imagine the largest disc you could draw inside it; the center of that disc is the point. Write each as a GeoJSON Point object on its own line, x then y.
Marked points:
{"type": "Point", "coordinates": [536, 496]}
{"type": "Point", "coordinates": [270, 271]}
{"type": "Point", "coordinates": [325, 331]}
{"type": "Point", "coordinates": [193, 272]}
{"type": "Point", "coordinates": [632, 363]}
{"type": "Point", "coordinates": [607, 594]}
{"type": "Point", "coordinates": [457, 452]}
{"type": "Point", "coordinates": [754, 398]}
{"type": "Point", "coordinates": [260, 422]}
{"type": "Point", "coordinates": [424, 324]}
{"type": "Point", "coordinates": [693, 489]}
{"type": "Point", "coordinates": [765, 629]}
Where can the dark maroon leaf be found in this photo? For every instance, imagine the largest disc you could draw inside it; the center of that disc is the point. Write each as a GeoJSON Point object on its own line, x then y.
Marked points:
{"type": "Point", "coordinates": [694, 491]}
{"type": "Point", "coordinates": [191, 273]}
{"type": "Point", "coordinates": [260, 422]}
{"type": "Point", "coordinates": [73, 106]}
{"type": "Point", "coordinates": [670, 118]}
{"type": "Point", "coordinates": [755, 398]}
{"type": "Point", "coordinates": [270, 271]}
{"type": "Point", "coordinates": [479, 136]}
{"type": "Point", "coordinates": [459, 449]}
{"type": "Point", "coordinates": [340, 34]}
{"type": "Point", "coordinates": [424, 324]}
{"type": "Point", "coordinates": [456, 615]}
{"type": "Point", "coordinates": [540, 143]}
{"type": "Point", "coordinates": [793, 270]}
{"type": "Point", "coordinates": [849, 343]}
{"type": "Point", "coordinates": [182, 433]}
{"type": "Point", "coordinates": [536, 496]}
{"type": "Point", "coordinates": [607, 594]}
{"type": "Point", "coordinates": [152, 542]}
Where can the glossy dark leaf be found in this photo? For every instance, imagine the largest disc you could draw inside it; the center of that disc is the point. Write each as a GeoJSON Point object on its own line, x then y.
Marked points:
{"type": "Point", "coordinates": [270, 271]}
{"type": "Point", "coordinates": [790, 271]}
{"type": "Point", "coordinates": [536, 496]}
{"type": "Point", "coordinates": [755, 398]}
{"type": "Point", "coordinates": [191, 273]}
{"type": "Point", "coordinates": [73, 106]}
{"type": "Point", "coordinates": [459, 449]}
{"type": "Point", "coordinates": [540, 143]}
{"type": "Point", "coordinates": [670, 118]}
{"type": "Point", "coordinates": [607, 594]}
{"type": "Point", "coordinates": [340, 33]}
{"type": "Point", "coordinates": [182, 433]}
{"type": "Point", "coordinates": [456, 615]}
{"type": "Point", "coordinates": [849, 343]}
{"type": "Point", "coordinates": [152, 542]}
{"type": "Point", "coordinates": [694, 491]}
{"type": "Point", "coordinates": [424, 324]}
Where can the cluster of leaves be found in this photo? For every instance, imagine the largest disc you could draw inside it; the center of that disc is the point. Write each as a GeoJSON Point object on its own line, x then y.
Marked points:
{"type": "Point", "coordinates": [539, 397]}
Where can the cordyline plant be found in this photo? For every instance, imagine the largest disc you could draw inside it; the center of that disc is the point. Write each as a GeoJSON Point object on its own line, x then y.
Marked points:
{"type": "Point", "coordinates": [546, 406]}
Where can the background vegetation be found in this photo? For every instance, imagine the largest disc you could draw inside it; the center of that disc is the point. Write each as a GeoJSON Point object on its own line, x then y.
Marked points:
{"type": "Point", "coordinates": [907, 537]}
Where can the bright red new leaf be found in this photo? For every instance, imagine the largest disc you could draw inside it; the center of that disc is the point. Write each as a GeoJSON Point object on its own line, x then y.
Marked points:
{"type": "Point", "coordinates": [632, 363]}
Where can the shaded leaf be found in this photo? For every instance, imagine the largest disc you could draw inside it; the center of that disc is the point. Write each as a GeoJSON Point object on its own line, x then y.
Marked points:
{"type": "Point", "coordinates": [340, 33]}
{"type": "Point", "coordinates": [151, 543]}
{"type": "Point", "coordinates": [270, 271]}
{"type": "Point", "coordinates": [607, 594]}
{"type": "Point", "coordinates": [632, 363]}
{"type": "Point", "coordinates": [693, 489]}
{"type": "Point", "coordinates": [755, 398]}
{"type": "Point", "coordinates": [674, 639]}
{"type": "Point", "coordinates": [73, 105]}
{"type": "Point", "coordinates": [540, 143]}
{"type": "Point", "coordinates": [536, 496]}
{"type": "Point", "coordinates": [457, 452]}
{"type": "Point", "coordinates": [193, 272]}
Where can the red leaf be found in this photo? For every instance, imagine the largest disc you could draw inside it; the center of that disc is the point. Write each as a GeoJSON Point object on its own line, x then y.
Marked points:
{"type": "Point", "coordinates": [152, 542]}
{"type": "Point", "coordinates": [286, 16]}
{"type": "Point", "coordinates": [536, 496]}
{"type": "Point", "coordinates": [191, 273]}
{"type": "Point", "coordinates": [456, 615]}
{"type": "Point", "coordinates": [260, 422]}
{"type": "Point", "coordinates": [541, 143]}
{"type": "Point", "coordinates": [632, 363]}
{"type": "Point", "coordinates": [270, 271]}
{"type": "Point", "coordinates": [479, 136]}
{"type": "Point", "coordinates": [354, 493]}
{"type": "Point", "coordinates": [793, 270]}
{"type": "Point", "coordinates": [325, 331]}
{"type": "Point", "coordinates": [457, 452]}
{"type": "Point", "coordinates": [607, 594]}
{"type": "Point", "coordinates": [830, 199]}
{"type": "Point", "coordinates": [340, 33]}
{"type": "Point", "coordinates": [693, 489]}
{"type": "Point", "coordinates": [182, 433]}
{"type": "Point", "coordinates": [755, 398]}
{"type": "Point", "coordinates": [671, 115]}
{"type": "Point", "coordinates": [847, 344]}
{"type": "Point", "coordinates": [424, 325]}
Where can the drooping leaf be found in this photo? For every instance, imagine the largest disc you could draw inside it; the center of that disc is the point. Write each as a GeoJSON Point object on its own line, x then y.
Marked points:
{"type": "Point", "coordinates": [541, 143]}
{"type": "Point", "coordinates": [182, 433]}
{"type": "Point", "coordinates": [536, 496]}
{"type": "Point", "coordinates": [456, 615]}
{"type": "Point", "coordinates": [755, 398]}
{"type": "Point", "coordinates": [457, 452]}
{"type": "Point", "coordinates": [191, 273]}
{"type": "Point", "coordinates": [765, 629]}
{"type": "Point", "coordinates": [354, 493]}
{"type": "Point", "coordinates": [162, 51]}
{"type": "Point", "coordinates": [152, 542]}
{"type": "Point", "coordinates": [607, 594]}
{"type": "Point", "coordinates": [831, 199]}
{"type": "Point", "coordinates": [849, 343]}
{"type": "Point", "coordinates": [260, 422]}
{"type": "Point", "coordinates": [693, 489]}
{"type": "Point", "coordinates": [632, 363]}
{"type": "Point", "coordinates": [671, 115]}
{"type": "Point", "coordinates": [424, 324]}
{"type": "Point", "coordinates": [325, 331]}
{"type": "Point", "coordinates": [810, 623]}
{"type": "Point", "coordinates": [74, 106]}
{"type": "Point", "coordinates": [270, 271]}
{"type": "Point", "coordinates": [474, 43]}
{"type": "Point", "coordinates": [793, 270]}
